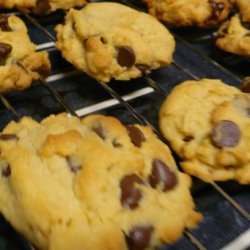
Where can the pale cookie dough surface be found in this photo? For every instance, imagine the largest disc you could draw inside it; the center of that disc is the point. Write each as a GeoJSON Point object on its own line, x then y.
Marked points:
{"type": "Point", "coordinates": [244, 8]}
{"type": "Point", "coordinates": [20, 64]}
{"type": "Point", "coordinates": [201, 13]}
{"type": "Point", "coordinates": [92, 184]}
{"type": "Point", "coordinates": [41, 6]}
{"type": "Point", "coordinates": [110, 40]}
{"type": "Point", "coordinates": [208, 124]}
{"type": "Point", "coordinates": [234, 36]}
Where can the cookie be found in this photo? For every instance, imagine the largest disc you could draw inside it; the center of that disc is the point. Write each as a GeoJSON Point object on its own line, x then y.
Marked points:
{"type": "Point", "coordinates": [20, 64]}
{"type": "Point", "coordinates": [110, 40]}
{"type": "Point", "coordinates": [244, 8]}
{"type": "Point", "coordinates": [208, 125]}
{"type": "Point", "coordinates": [92, 184]}
{"type": "Point", "coordinates": [201, 13]}
{"type": "Point", "coordinates": [234, 36]}
{"type": "Point", "coordinates": [41, 6]}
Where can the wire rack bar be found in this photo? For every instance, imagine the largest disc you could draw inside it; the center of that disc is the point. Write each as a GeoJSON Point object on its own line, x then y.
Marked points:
{"type": "Point", "coordinates": [9, 107]}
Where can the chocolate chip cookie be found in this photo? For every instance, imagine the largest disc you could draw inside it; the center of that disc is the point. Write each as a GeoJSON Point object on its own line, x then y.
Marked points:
{"type": "Point", "coordinates": [244, 9]}
{"type": "Point", "coordinates": [208, 124]}
{"type": "Point", "coordinates": [20, 64]}
{"type": "Point", "coordinates": [92, 184]}
{"type": "Point", "coordinates": [201, 13]}
{"type": "Point", "coordinates": [234, 36]}
{"type": "Point", "coordinates": [110, 40]}
{"type": "Point", "coordinates": [41, 6]}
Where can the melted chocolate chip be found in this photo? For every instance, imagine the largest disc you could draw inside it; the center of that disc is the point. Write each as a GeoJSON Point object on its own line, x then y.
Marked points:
{"type": "Point", "coordinates": [42, 7]}
{"type": "Point", "coordinates": [139, 237]}
{"type": "Point", "coordinates": [246, 85]}
{"type": "Point", "coordinates": [225, 133]}
{"type": "Point", "coordinates": [130, 195]}
{"type": "Point", "coordinates": [4, 24]}
{"type": "Point", "coordinates": [217, 8]}
{"type": "Point", "coordinates": [100, 131]}
{"type": "Point", "coordinates": [5, 50]}
{"type": "Point", "coordinates": [125, 56]}
{"type": "Point", "coordinates": [136, 136]}
{"type": "Point", "coordinates": [73, 166]}
{"type": "Point", "coordinates": [6, 172]}
{"type": "Point", "coordinates": [188, 138]}
{"type": "Point", "coordinates": [7, 137]}
{"type": "Point", "coordinates": [246, 25]}
{"type": "Point", "coordinates": [143, 68]}
{"type": "Point", "coordinates": [162, 176]}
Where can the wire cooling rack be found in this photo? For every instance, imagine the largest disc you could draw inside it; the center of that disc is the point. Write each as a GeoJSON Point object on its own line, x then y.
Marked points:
{"type": "Point", "coordinates": [225, 206]}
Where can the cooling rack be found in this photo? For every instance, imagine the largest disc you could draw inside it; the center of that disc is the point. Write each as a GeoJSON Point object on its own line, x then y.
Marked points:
{"type": "Point", "coordinates": [225, 206]}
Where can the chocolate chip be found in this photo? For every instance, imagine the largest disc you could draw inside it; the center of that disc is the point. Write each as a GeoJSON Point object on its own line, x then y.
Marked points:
{"type": "Point", "coordinates": [116, 143]}
{"type": "Point", "coordinates": [7, 137]}
{"type": "Point", "coordinates": [6, 172]}
{"type": "Point", "coordinates": [246, 85]}
{"type": "Point", "coordinates": [188, 138]}
{"type": "Point", "coordinates": [130, 195]}
{"type": "Point", "coordinates": [246, 25]}
{"type": "Point", "coordinates": [125, 56]}
{"type": "Point", "coordinates": [142, 67]}
{"type": "Point", "coordinates": [139, 238]}
{"type": "Point", "coordinates": [100, 131]}
{"type": "Point", "coordinates": [135, 134]}
{"type": "Point", "coordinates": [225, 133]}
{"type": "Point", "coordinates": [42, 7]}
{"type": "Point", "coordinates": [73, 166]}
{"type": "Point", "coordinates": [5, 50]}
{"type": "Point", "coordinates": [161, 176]}
{"type": "Point", "coordinates": [4, 24]}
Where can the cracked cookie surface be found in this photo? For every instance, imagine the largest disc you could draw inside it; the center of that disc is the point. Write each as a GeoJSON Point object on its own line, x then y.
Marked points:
{"type": "Point", "coordinates": [20, 64]}
{"type": "Point", "coordinates": [208, 124]}
{"type": "Point", "coordinates": [201, 13]}
{"type": "Point", "coordinates": [92, 184]}
{"type": "Point", "coordinates": [41, 6]}
{"type": "Point", "coordinates": [110, 40]}
{"type": "Point", "coordinates": [234, 36]}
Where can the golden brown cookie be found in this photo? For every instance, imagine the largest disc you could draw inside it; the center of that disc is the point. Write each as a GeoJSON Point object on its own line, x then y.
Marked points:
{"type": "Point", "coordinates": [20, 64]}
{"type": "Point", "coordinates": [201, 13]}
{"type": "Point", "coordinates": [208, 125]}
{"type": "Point", "coordinates": [92, 184]}
{"type": "Point", "coordinates": [110, 40]}
{"type": "Point", "coordinates": [244, 8]}
{"type": "Point", "coordinates": [234, 36]}
{"type": "Point", "coordinates": [41, 6]}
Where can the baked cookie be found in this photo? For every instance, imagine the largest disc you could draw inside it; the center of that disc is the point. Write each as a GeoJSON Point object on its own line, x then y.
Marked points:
{"type": "Point", "coordinates": [208, 124]}
{"type": "Point", "coordinates": [92, 184]}
{"type": "Point", "coordinates": [244, 8]}
{"type": "Point", "coordinates": [110, 40]}
{"type": "Point", "coordinates": [41, 6]}
{"type": "Point", "coordinates": [20, 64]}
{"type": "Point", "coordinates": [201, 13]}
{"type": "Point", "coordinates": [234, 37]}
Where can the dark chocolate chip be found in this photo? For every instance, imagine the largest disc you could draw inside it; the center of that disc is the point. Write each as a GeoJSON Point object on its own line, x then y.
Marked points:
{"type": "Point", "coordinates": [130, 195]}
{"type": "Point", "coordinates": [6, 172]}
{"type": "Point", "coordinates": [188, 138]}
{"type": "Point", "coordinates": [225, 133]}
{"type": "Point", "coordinates": [4, 24]}
{"type": "Point", "coordinates": [116, 143]}
{"type": "Point", "coordinates": [100, 131]}
{"type": "Point", "coordinates": [5, 50]}
{"type": "Point", "coordinates": [42, 7]}
{"type": "Point", "coordinates": [139, 237]}
{"type": "Point", "coordinates": [142, 67]}
{"type": "Point", "coordinates": [161, 176]}
{"type": "Point", "coordinates": [135, 134]}
{"type": "Point", "coordinates": [125, 56]}
{"type": "Point", "coordinates": [73, 166]}
{"type": "Point", "coordinates": [246, 85]}
{"type": "Point", "coordinates": [246, 25]}
{"type": "Point", "coordinates": [7, 137]}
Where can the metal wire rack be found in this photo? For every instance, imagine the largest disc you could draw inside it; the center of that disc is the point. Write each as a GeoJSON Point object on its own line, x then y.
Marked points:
{"type": "Point", "coordinates": [124, 99]}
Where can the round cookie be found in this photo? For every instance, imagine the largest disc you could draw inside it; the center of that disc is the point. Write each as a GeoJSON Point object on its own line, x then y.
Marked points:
{"type": "Point", "coordinates": [234, 36]}
{"type": "Point", "coordinates": [208, 125]}
{"type": "Point", "coordinates": [41, 6]}
{"type": "Point", "coordinates": [201, 13]}
{"type": "Point", "coordinates": [110, 40]}
{"type": "Point", "coordinates": [20, 64]}
{"type": "Point", "coordinates": [92, 184]}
